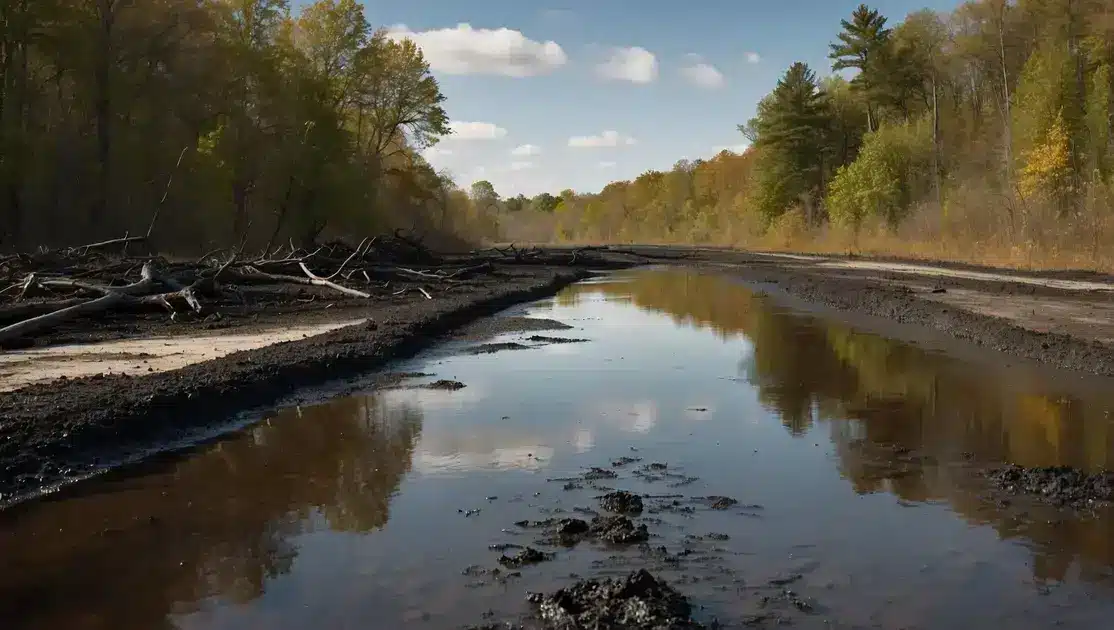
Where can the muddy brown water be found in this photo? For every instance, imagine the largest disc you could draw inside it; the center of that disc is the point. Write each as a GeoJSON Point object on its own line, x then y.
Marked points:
{"type": "Point", "coordinates": [853, 458]}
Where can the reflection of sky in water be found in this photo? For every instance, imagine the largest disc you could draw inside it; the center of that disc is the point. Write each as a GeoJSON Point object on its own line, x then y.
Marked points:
{"type": "Point", "coordinates": [436, 399]}
{"type": "Point", "coordinates": [521, 457]}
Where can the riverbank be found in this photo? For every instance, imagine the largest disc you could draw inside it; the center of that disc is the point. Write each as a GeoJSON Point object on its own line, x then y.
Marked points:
{"type": "Point", "coordinates": [73, 410]}
{"type": "Point", "coordinates": [73, 427]}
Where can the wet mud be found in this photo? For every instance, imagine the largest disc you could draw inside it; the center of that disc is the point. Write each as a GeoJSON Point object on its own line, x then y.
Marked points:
{"type": "Point", "coordinates": [1059, 485]}
{"type": "Point", "coordinates": [492, 348]}
{"type": "Point", "coordinates": [638, 601]}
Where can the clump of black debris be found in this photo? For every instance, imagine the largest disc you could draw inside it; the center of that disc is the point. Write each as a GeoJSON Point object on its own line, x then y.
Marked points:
{"type": "Point", "coordinates": [639, 601]}
{"type": "Point", "coordinates": [1059, 485]}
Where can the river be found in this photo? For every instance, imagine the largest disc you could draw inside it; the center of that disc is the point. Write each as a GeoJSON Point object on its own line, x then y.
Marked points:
{"type": "Point", "coordinates": [853, 458]}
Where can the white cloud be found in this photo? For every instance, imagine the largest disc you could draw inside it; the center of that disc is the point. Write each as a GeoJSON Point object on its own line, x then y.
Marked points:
{"type": "Point", "coordinates": [475, 131]}
{"type": "Point", "coordinates": [753, 57]}
{"type": "Point", "coordinates": [608, 138]}
{"type": "Point", "coordinates": [734, 148]}
{"type": "Point", "coordinates": [526, 150]}
{"type": "Point", "coordinates": [434, 152]}
{"type": "Point", "coordinates": [702, 74]}
{"type": "Point", "coordinates": [521, 166]}
{"type": "Point", "coordinates": [635, 64]}
{"type": "Point", "coordinates": [607, 165]}
{"type": "Point", "coordinates": [467, 50]}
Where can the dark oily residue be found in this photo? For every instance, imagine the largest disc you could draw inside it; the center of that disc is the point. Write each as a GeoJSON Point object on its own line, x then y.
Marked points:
{"type": "Point", "coordinates": [638, 601]}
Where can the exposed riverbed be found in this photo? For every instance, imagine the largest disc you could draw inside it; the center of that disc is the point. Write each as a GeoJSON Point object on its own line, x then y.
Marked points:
{"type": "Point", "coordinates": [793, 469]}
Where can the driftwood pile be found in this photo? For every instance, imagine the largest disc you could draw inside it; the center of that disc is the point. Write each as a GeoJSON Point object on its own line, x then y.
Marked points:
{"type": "Point", "coordinates": [40, 291]}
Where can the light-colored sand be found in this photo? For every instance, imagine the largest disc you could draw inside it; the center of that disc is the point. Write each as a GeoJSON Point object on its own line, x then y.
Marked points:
{"type": "Point", "coordinates": [139, 356]}
{"type": "Point", "coordinates": [1085, 317]}
{"type": "Point", "coordinates": [926, 270]}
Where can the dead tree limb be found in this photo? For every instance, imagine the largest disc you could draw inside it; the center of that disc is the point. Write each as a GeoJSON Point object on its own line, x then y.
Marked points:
{"type": "Point", "coordinates": [359, 251]}
{"type": "Point", "coordinates": [52, 319]}
{"type": "Point", "coordinates": [165, 194]}
{"type": "Point", "coordinates": [332, 285]}
{"type": "Point", "coordinates": [248, 273]}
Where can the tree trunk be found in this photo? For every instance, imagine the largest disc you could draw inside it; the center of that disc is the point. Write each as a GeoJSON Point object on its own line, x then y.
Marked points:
{"type": "Point", "coordinates": [240, 205]}
{"type": "Point", "coordinates": [1008, 126]}
{"type": "Point", "coordinates": [103, 113]}
{"type": "Point", "coordinates": [936, 166]}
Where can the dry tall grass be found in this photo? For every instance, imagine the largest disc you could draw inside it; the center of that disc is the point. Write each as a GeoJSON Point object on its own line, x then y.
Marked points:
{"type": "Point", "coordinates": [974, 227]}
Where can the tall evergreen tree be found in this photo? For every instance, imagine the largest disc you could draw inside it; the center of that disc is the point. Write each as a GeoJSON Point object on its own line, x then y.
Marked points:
{"type": "Point", "coordinates": [790, 133]}
{"type": "Point", "coordinates": [862, 45]}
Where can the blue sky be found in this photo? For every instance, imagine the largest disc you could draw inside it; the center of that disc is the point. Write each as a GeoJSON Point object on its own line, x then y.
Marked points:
{"type": "Point", "coordinates": [577, 93]}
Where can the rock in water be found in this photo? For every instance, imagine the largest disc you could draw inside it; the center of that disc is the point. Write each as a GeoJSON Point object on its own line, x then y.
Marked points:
{"type": "Point", "coordinates": [721, 503]}
{"type": "Point", "coordinates": [527, 555]}
{"type": "Point", "coordinates": [1061, 485]}
{"type": "Point", "coordinates": [637, 602]}
{"type": "Point", "coordinates": [618, 529]}
{"type": "Point", "coordinates": [622, 502]}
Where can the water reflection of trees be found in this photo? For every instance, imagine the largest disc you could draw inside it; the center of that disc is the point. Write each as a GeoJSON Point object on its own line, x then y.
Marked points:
{"type": "Point", "coordinates": [219, 523]}
{"type": "Point", "coordinates": [879, 399]}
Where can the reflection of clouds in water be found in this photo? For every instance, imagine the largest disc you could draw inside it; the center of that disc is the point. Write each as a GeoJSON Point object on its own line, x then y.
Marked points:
{"type": "Point", "coordinates": [583, 441]}
{"type": "Point", "coordinates": [516, 457]}
{"type": "Point", "coordinates": [562, 348]}
{"type": "Point", "coordinates": [435, 399]}
{"type": "Point", "coordinates": [638, 417]}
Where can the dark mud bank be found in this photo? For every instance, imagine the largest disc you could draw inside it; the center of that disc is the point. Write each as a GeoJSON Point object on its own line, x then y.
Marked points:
{"type": "Point", "coordinates": [71, 429]}
{"type": "Point", "coordinates": [898, 304]}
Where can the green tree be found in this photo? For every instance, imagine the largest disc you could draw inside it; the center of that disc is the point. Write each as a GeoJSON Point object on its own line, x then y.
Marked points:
{"type": "Point", "coordinates": [791, 136]}
{"type": "Point", "coordinates": [544, 202]}
{"type": "Point", "coordinates": [484, 195]}
{"type": "Point", "coordinates": [862, 45]}
{"type": "Point", "coordinates": [889, 173]}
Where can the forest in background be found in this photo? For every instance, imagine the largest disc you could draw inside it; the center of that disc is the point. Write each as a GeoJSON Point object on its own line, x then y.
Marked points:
{"type": "Point", "coordinates": [982, 134]}
{"type": "Point", "coordinates": [231, 122]}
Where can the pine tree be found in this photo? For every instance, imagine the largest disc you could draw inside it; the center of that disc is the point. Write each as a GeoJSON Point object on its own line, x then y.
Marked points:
{"type": "Point", "coordinates": [790, 133]}
{"type": "Point", "coordinates": [862, 46]}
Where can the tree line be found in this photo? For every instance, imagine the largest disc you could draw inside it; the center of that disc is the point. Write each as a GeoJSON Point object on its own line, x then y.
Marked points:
{"type": "Point", "coordinates": [989, 126]}
{"type": "Point", "coordinates": [213, 123]}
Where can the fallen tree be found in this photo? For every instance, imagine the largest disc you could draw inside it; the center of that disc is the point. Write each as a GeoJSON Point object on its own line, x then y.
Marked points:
{"type": "Point", "coordinates": [47, 289]}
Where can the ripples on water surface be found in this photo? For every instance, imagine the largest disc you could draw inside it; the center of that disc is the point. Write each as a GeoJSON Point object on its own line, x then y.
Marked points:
{"type": "Point", "coordinates": [845, 450]}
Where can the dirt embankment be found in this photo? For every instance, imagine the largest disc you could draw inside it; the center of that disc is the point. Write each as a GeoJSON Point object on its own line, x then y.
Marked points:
{"type": "Point", "coordinates": [1059, 319]}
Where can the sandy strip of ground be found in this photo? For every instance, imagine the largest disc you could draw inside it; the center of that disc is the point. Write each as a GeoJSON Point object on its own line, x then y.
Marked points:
{"type": "Point", "coordinates": [140, 356]}
{"type": "Point", "coordinates": [925, 270]}
{"type": "Point", "coordinates": [945, 272]}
